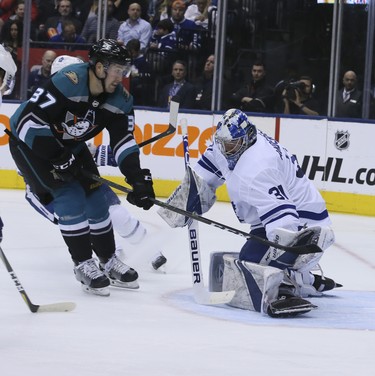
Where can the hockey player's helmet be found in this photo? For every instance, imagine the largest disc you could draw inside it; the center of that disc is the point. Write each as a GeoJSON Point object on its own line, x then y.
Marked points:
{"type": "Point", "coordinates": [109, 51]}
{"type": "Point", "coordinates": [8, 71]}
{"type": "Point", "coordinates": [63, 61]}
{"type": "Point", "coordinates": [234, 134]}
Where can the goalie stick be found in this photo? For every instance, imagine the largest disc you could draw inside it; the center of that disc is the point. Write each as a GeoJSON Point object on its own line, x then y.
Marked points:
{"type": "Point", "coordinates": [201, 296]}
{"type": "Point", "coordinates": [297, 249]}
{"type": "Point", "coordinates": [173, 113]}
{"type": "Point", "coordinates": [55, 307]}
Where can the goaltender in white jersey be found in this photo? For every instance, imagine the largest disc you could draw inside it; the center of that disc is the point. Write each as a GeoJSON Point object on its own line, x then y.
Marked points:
{"type": "Point", "coordinates": [269, 191]}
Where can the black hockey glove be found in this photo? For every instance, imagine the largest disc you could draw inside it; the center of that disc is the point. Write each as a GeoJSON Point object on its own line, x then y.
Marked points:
{"type": "Point", "coordinates": [142, 189]}
{"type": "Point", "coordinates": [66, 167]}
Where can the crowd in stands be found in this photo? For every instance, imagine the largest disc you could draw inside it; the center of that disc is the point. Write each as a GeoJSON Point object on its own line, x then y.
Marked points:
{"type": "Point", "coordinates": [172, 48]}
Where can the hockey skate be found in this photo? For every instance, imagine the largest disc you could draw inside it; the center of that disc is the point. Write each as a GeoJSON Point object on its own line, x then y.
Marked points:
{"type": "Point", "coordinates": [306, 284]}
{"type": "Point", "coordinates": [92, 278]}
{"type": "Point", "coordinates": [119, 274]}
{"type": "Point", "coordinates": [322, 283]}
{"type": "Point", "coordinates": [158, 263]}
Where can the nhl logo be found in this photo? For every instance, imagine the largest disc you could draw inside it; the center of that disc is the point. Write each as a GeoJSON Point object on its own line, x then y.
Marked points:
{"type": "Point", "coordinates": [342, 140]}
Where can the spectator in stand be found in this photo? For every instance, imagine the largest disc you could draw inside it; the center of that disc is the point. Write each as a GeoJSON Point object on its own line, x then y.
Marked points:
{"type": "Point", "coordinates": [11, 36]}
{"type": "Point", "coordinates": [38, 77]}
{"type": "Point", "coordinates": [164, 36]}
{"type": "Point", "coordinates": [159, 10]}
{"type": "Point", "coordinates": [46, 9]}
{"type": "Point", "coordinates": [255, 96]}
{"type": "Point", "coordinates": [54, 24]}
{"type": "Point", "coordinates": [84, 9]}
{"type": "Point", "coordinates": [91, 25]}
{"type": "Point", "coordinates": [141, 75]}
{"type": "Point", "coordinates": [92, 10]}
{"type": "Point", "coordinates": [349, 98]}
{"type": "Point", "coordinates": [67, 38]}
{"type": "Point", "coordinates": [122, 6]}
{"type": "Point", "coordinates": [8, 9]}
{"type": "Point", "coordinates": [135, 27]}
{"type": "Point", "coordinates": [204, 84]}
{"type": "Point", "coordinates": [19, 13]}
{"type": "Point", "coordinates": [186, 30]}
{"type": "Point", "coordinates": [179, 90]}
{"type": "Point", "coordinates": [198, 12]}
{"type": "Point", "coordinates": [11, 39]}
{"type": "Point", "coordinates": [298, 98]}
{"type": "Point", "coordinates": [163, 47]}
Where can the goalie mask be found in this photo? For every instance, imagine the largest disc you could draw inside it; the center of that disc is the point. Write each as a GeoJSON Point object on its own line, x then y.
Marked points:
{"type": "Point", "coordinates": [234, 134]}
{"type": "Point", "coordinates": [8, 71]}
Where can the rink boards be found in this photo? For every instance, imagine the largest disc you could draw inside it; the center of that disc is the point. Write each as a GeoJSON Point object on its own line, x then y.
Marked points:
{"type": "Point", "coordinates": [338, 156]}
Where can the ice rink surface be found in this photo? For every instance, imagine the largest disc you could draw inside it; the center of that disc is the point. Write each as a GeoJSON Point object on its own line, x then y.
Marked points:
{"type": "Point", "coordinates": [159, 330]}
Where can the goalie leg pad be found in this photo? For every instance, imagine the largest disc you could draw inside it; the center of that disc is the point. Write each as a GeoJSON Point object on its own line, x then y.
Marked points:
{"type": "Point", "coordinates": [216, 270]}
{"type": "Point", "coordinates": [256, 285]}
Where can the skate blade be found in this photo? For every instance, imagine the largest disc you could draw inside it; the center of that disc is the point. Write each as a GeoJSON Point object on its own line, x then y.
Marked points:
{"type": "Point", "coordinates": [125, 285]}
{"type": "Point", "coordinates": [104, 291]}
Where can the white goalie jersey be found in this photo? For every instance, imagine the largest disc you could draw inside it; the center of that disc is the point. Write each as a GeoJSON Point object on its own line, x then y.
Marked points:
{"type": "Point", "coordinates": [267, 187]}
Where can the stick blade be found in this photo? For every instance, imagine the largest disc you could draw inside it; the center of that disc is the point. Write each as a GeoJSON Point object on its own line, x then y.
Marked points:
{"type": "Point", "coordinates": [173, 113]}
{"type": "Point", "coordinates": [212, 298]}
{"type": "Point", "coordinates": [57, 307]}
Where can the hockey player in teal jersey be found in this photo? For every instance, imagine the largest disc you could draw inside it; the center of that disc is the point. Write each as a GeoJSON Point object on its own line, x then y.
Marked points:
{"type": "Point", "coordinates": [49, 149]}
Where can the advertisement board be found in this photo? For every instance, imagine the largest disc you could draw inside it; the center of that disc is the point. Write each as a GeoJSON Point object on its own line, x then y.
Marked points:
{"type": "Point", "coordinates": [337, 156]}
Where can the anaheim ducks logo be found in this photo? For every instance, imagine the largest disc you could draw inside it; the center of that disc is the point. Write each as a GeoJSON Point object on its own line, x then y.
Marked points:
{"type": "Point", "coordinates": [72, 76]}
{"type": "Point", "coordinates": [76, 127]}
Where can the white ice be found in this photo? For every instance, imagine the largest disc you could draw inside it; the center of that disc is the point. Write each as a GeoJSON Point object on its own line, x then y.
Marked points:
{"type": "Point", "coordinates": [159, 330]}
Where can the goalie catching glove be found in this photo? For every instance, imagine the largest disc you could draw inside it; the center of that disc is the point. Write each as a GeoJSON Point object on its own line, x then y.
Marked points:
{"type": "Point", "coordinates": [193, 195]}
{"type": "Point", "coordinates": [142, 189]}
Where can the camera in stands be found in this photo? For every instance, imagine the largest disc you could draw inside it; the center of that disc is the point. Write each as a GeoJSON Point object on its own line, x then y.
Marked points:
{"type": "Point", "coordinates": [291, 87]}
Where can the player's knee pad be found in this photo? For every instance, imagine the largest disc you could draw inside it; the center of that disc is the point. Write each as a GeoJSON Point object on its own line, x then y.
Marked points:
{"type": "Point", "coordinates": [256, 286]}
{"type": "Point", "coordinates": [216, 270]}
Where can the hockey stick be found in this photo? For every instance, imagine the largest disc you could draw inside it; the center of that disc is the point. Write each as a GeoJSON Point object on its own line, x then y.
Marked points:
{"type": "Point", "coordinates": [297, 249]}
{"type": "Point", "coordinates": [201, 296]}
{"type": "Point", "coordinates": [173, 113]}
{"type": "Point", "coordinates": [56, 307]}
